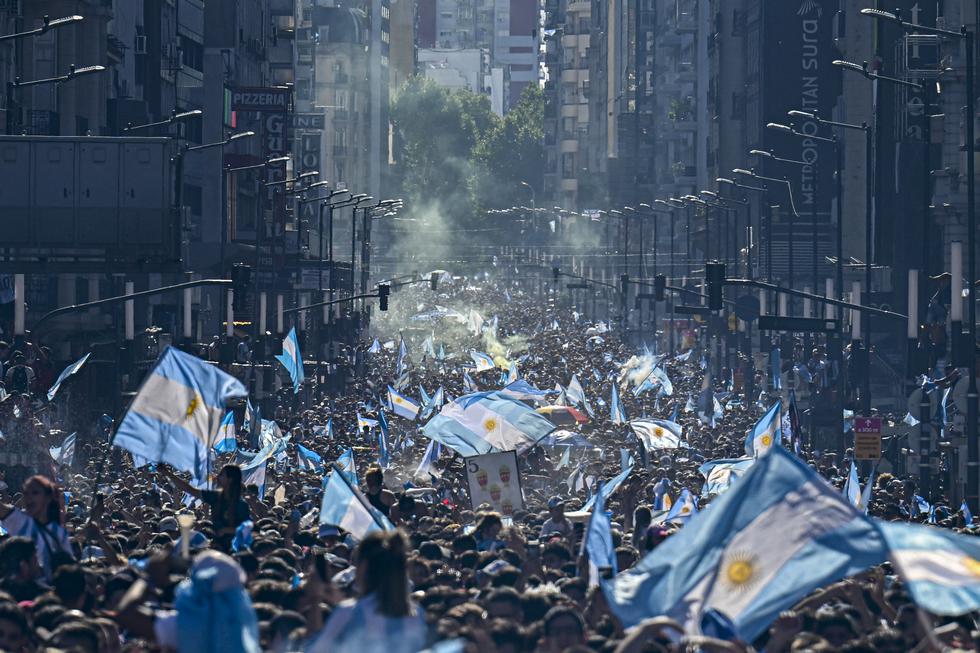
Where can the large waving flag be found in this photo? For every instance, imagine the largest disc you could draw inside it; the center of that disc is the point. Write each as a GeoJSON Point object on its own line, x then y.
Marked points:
{"type": "Point", "coordinates": [401, 405]}
{"type": "Point", "coordinates": [176, 413]}
{"type": "Point", "coordinates": [765, 434]}
{"type": "Point", "coordinates": [468, 385]}
{"type": "Point", "coordinates": [65, 454]}
{"type": "Point", "coordinates": [598, 542]}
{"type": "Point", "coordinates": [292, 359]}
{"type": "Point", "coordinates": [482, 361]}
{"type": "Point", "coordinates": [778, 534]}
{"type": "Point", "coordinates": [480, 423]}
{"type": "Point", "coordinates": [617, 414]}
{"type": "Point", "coordinates": [345, 507]}
{"type": "Point", "coordinates": [68, 371]}
{"type": "Point", "coordinates": [720, 474]}
{"type": "Point", "coordinates": [226, 441]}
{"type": "Point", "coordinates": [940, 569]}
{"type": "Point", "coordinates": [658, 433]}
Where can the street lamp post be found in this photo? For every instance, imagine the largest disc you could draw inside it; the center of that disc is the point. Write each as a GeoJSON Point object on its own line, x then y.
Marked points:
{"type": "Point", "coordinates": [72, 73]}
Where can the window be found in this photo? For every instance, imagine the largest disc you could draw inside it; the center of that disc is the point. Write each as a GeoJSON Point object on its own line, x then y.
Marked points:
{"type": "Point", "coordinates": [568, 127]}
{"type": "Point", "coordinates": [191, 53]}
{"type": "Point", "coordinates": [568, 166]}
{"type": "Point", "coordinates": [340, 99]}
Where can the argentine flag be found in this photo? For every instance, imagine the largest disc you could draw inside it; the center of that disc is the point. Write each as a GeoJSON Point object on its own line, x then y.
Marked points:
{"type": "Point", "coordinates": [685, 507]}
{"type": "Point", "coordinates": [428, 460]}
{"type": "Point", "coordinates": [468, 385]}
{"type": "Point", "coordinates": [292, 359]}
{"type": "Point", "coordinates": [607, 489]}
{"type": "Point", "coordinates": [765, 434]}
{"type": "Point", "coordinates": [512, 374]}
{"type": "Point", "coordinates": [779, 533]}
{"type": "Point", "coordinates": [598, 542]}
{"type": "Point", "coordinates": [375, 347]}
{"type": "Point", "coordinates": [485, 422]}
{"type": "Point", "coordinates": [65, 454]}
{"type": "Point", "coordinates": [402, 405]}
{"type": "Point", "coordinates": [400, 366]}
{"type": "Point", "coordinates": [176, 413]}
{"type": "Point", "coordinates": [308, 460]}
{"type": "Point", "coordinates": [658, 433]}
{"type": "Point", "coordinates": [226, 441]}
{"type": "Point", "coordinates": [524, 391]}
{"type": "Point", "coordinates": [482, 361]}
{"type": "Point", "coordinates": [347, 467]}
{"type": "Point", "coordinates": [720, 474]}
{"type": "Point", "coordinates": [68, 371]}
{"type": "Point", "coordinates": [940, 569]}
{"type": "Point", "coordinates": [617, 414]}
{"type": "Point", "coordinates": [852, 486]}
{"type": "Point", "coordinates": [345, 507]}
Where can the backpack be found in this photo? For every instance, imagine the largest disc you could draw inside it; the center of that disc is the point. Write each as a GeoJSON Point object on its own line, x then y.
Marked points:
{"type": "Point", "coordinates": [19, 381]}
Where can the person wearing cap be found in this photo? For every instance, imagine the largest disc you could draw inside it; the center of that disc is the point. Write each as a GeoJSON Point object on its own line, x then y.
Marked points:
{"type": "Point", "coordinates": [556, 524]}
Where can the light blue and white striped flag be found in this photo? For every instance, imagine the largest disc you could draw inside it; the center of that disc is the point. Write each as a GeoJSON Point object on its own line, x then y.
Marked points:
{"type": "Point", "coordinates": [598, 541]}
{"type": "Point", "coordinates": [308, 460]}
{"type": "Point", "coordinates": [402, 405]}
{"type": "Point", "coordinates": [480, 423]}
{"type": "Point", "coordinates": [720, 474]}
{"type": "Point", "coordinates": [347, 467]}
{"type": "Point", "coordinates": [176, 413]}
{"type": "Point", "coordinates": [64, 454]}
{"type": "Point", "coordinates": [345, 507]}
{"type": "Point", "coordinates": [779, 533]}
{"type": "Point", "coordinates": [940, 569]}
{"type": "Point", "coordinates": [617, 414]}
{"type": "Point", "coordinates": [292, 359]}
{"type": "Point", "coordinates": [68, 371]}
{"type": "Point", "coordinates": [226, 441]}
{"type": "Point", "coordinates": [766, 433]}
{"type": "Point", "coordinates": [658, 433]}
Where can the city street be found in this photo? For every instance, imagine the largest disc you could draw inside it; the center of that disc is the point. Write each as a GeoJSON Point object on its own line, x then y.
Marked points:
{"type": "Point", "coordinates": [496, 326]}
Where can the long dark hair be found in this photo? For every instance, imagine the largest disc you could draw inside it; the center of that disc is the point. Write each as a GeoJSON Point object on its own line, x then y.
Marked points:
{"type": "Point", "coordinates": [383, 555]}
{"type": "Point", "coordinates": [52, 514]}
{"type": "Point", "coordinates": [234, 474]}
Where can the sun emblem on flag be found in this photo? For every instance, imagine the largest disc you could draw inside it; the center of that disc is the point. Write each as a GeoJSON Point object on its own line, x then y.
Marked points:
{"type": "Point", "coordinates": [739, 571]}
{"type": "Point", "coordinates": [490, 425]}
{"type": "Point", "coordinates": [658, 432]}
{"type": "Point", "coordinates": [191, 407]}
{"type": "Point", "coordinates": [398, 400]}
{"type": "Point", "coordinates": [686, 510]}
{"type": "Point", "coordinates": [972, 565]}
{"type": "Point", "coordinates": [766, 440]}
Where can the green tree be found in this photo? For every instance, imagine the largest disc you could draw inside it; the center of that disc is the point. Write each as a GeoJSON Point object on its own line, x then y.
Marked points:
{"type": "Point", "coordinates": [513, 152]}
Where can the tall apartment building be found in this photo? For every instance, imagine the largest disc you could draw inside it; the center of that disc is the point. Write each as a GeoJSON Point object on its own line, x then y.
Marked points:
{"type": "Point", "coordinates": [506, 29]}
{"type": "Point", "coordinates": [568, 25]}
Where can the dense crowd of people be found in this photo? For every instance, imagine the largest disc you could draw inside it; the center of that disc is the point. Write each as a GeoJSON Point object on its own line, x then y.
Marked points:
{"type": "Point", "coordinates": [98, 555]}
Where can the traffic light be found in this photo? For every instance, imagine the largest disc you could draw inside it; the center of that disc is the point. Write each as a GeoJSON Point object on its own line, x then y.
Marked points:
{"type": "Point", "coordinates": [624, 281]}
{"type": "Point", "coordinates": [714, 275]}
{"type": "Point", "coordinates": [660, 288]}
{"type": "Point", "coordinates": [434, 281]}
{"type": "Point", "coordinates": [383, 291]}
{"type": "Point", "coordinates": [241, 280]}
